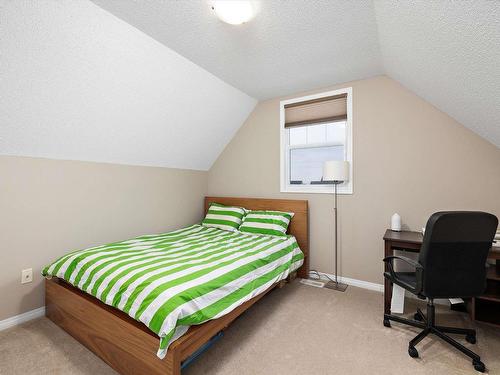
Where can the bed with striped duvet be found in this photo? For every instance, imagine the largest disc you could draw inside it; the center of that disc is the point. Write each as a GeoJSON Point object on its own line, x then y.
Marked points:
{"type": "Point", "coordinates": [173, 280]}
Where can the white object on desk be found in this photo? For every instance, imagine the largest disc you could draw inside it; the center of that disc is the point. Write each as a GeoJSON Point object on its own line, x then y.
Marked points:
{"type": "Point", "coordinates": [396, 223]}
{"type": "Point", "coordinates": [398, 299]}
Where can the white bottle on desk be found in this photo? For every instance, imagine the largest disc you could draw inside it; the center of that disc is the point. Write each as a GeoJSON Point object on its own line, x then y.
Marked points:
{"type": "Point", "coordinates": [396, 223]}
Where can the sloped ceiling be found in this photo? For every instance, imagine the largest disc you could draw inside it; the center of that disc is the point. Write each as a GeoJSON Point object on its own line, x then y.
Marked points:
{"type": "Point", "coordinates": [79, 83]}
{"type": "Point", "coordinates": [85, 83]}
{"type": "Point", "coordinates": [448, 52]}
{"type": "Point", "coordinates": [289, 46]}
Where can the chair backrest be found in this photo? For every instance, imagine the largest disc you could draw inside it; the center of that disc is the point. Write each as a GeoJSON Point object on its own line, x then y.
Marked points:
{"type": "Point", "coordinates": [454, 252]}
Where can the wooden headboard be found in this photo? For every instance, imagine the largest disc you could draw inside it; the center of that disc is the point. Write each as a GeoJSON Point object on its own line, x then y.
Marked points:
{"type": "Point", "coordinates": [299, 226]}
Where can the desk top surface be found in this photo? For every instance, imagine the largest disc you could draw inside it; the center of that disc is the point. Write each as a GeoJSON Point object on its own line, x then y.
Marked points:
{"type": "Point", "coordinates": [417, 237]}
{"type": "Point", "coordinates": [403, 236]}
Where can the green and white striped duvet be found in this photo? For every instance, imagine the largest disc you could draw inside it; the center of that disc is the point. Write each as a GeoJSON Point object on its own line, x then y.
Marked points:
{"type": "Point", "coordinates": [174, 280]}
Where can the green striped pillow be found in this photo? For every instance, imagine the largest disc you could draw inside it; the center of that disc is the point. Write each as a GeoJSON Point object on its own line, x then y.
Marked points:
{"type": "Point", "coordinates": [273, 223]}
{"type": "Point", "coordinates": [223, 217]}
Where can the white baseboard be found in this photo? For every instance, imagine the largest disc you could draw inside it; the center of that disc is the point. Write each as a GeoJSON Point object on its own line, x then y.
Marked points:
{"type": "Point", "coordinates": [21, 318]}
{"type": "Point", "coordinates": [373, 286]}
{"type": "Point", "coordinates": [355, 282]}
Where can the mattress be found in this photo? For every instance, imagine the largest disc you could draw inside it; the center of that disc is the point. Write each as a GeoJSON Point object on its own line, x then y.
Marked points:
{"type": "Point", "coordinates": [173, 280]}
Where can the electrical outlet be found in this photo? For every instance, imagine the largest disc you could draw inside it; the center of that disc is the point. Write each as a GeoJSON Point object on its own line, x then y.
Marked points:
{"type": "Point", "coordinates": [27, 276]}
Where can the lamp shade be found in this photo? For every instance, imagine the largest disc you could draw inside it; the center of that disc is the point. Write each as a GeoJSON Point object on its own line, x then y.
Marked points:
{"type": "Point", "coordinates": [335, 170]}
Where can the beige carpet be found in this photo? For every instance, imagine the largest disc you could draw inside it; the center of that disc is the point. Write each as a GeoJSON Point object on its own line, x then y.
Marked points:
{"type": "Point", "coordinates": [294, 330]}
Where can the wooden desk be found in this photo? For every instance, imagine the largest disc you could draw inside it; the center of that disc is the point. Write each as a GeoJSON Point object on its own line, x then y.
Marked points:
{"type": "Point", "coordinates": [485, 308]}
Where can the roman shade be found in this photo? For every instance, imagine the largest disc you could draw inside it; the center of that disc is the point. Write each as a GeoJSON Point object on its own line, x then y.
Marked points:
{"type": "Point", "coordinates": [316, 111]}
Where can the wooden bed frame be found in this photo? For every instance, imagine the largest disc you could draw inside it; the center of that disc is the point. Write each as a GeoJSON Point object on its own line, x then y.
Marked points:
{"type": "Point", "coordinates": [129, 346]}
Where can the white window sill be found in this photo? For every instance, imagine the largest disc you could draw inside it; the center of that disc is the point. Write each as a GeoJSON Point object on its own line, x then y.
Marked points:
{"type": "Point", "coordinates": [305, 190]}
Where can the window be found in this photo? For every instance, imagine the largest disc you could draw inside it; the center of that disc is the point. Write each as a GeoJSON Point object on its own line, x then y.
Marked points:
{"type": "Point", "coordinates": [315, 129]}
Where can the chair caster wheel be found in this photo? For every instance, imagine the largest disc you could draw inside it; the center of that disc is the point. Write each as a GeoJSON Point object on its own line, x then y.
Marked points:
{"type": "Point", "coordinates": [470, 339]}
{"type": "Point", "coordinates": [479, 366]}
{"type": "Point", "coordinates": [387, 323]}
{"type": "Point", "coordinates": [412, 352]}
{"type": "Point", "coordinates": [417, 317]}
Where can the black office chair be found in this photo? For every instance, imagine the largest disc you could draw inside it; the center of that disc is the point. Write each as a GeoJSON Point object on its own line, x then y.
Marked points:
{"type": "Point", "coordinates": [451, 264]}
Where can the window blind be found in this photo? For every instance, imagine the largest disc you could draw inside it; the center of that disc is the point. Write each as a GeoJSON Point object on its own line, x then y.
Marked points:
{"type": "Point", "coordinates": [316, 111]}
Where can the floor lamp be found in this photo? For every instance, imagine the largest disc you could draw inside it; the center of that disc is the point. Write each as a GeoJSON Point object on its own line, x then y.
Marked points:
{"type": "Point", "coordinates": [337, 172]}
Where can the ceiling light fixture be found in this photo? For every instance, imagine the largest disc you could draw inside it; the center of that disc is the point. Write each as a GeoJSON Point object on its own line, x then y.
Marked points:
{"type": "Point", "coordinates": [234, 12]}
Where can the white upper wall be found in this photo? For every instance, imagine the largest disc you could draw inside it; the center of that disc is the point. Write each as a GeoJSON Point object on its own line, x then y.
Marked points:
{"type": "Point", "coordinates": [79, 83]}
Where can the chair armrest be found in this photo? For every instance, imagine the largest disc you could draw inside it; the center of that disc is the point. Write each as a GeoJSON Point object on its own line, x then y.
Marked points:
{"type": "Point", "coordinates": [419, 270]}
{"type": "Point", "coordinates": [409, 261]}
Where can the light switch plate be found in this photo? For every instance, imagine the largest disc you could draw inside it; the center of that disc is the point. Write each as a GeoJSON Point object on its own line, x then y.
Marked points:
{"type": "Point", "coordinates": [27, 276]}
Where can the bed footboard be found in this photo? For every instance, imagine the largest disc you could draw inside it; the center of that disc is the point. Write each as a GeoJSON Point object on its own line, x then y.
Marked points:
{"type": "Point", "coordinates": [123, 343]}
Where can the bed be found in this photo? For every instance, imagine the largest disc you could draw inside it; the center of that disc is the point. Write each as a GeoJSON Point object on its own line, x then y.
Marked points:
{"type": "Point", "coordinates": [133, 346]}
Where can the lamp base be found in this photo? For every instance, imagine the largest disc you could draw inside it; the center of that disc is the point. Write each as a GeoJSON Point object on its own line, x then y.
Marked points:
{"type": "Point", "coordinates": [336, 286]}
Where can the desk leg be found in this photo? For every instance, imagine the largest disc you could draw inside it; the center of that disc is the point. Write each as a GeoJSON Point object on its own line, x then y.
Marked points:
{"type": "Point", "coordinates": [387, 283]}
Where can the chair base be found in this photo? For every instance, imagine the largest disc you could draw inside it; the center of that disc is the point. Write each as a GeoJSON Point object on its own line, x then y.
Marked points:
{"type": "Point", "coordinates": [428, 326]}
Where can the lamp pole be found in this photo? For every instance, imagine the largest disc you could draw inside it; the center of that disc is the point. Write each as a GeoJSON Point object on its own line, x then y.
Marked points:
{"type": "Point", "coordinates": [336, 172]}
{"type": "Point", "coordinates": [335, 285]}
{"type": "Point", "coordinates": [336, 229]}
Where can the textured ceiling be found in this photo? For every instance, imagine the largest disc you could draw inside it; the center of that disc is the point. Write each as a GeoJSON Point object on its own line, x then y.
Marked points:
{"type": "Point", "coordinates": [290, 46]}
{"type": "Point", "coordinates": [448, 52]}
{"type": "Point", "coordinates": [79, 83]}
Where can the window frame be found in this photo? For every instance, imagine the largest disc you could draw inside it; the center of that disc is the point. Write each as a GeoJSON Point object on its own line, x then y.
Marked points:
{"type": "Point", "coordinates": [285, 187]}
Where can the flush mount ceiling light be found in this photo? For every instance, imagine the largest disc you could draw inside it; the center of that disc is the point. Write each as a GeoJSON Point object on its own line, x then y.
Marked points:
{"type": "Point", "coordinates": [234, 12]}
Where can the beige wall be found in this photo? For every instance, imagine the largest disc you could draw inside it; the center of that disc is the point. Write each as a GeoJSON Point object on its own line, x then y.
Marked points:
{"type": "Point", "coordinates": [409, 158]}
{"type": "Point", "coordinates": [49, 207]}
